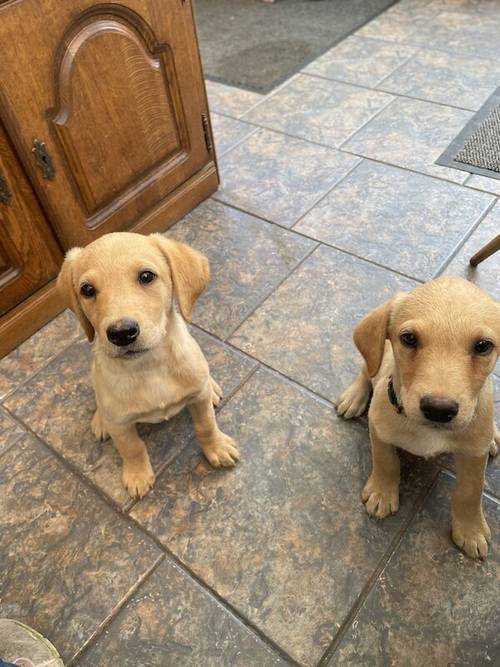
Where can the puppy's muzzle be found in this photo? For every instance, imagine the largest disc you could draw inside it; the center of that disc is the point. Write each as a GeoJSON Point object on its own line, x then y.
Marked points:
{"type": "Point", "coordinates": [123, 332]}
{"type": "Point", "coordinates": [440, 410]}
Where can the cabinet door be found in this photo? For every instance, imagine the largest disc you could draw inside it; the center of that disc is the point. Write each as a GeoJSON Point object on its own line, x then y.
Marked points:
{"type": "Point", "coordinates": [114, 96]}
{"type": "Point", "coordinates": [29, 256]}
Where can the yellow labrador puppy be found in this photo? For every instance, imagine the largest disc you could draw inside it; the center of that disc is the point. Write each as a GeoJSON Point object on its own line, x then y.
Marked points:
{"type": "Point", "coordinates": [428, 357]}
{"type": "Point", "coordinates": [146, 365]}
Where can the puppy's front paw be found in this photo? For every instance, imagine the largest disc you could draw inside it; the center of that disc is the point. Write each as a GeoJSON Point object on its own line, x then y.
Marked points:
{"type": "Point", "coordinates": [222, 452]}
{"type": "Point", "coordinates": [354, 401]}
{"type": "Point", "coordinates": [471, 536]}
{"type": "Point", "coordinates": [381, 499]}
{"type": "Point", "coordinates": [138, 478]}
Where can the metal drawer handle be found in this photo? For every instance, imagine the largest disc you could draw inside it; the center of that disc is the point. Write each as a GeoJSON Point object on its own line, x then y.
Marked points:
{"type": "Point", "coordinates": [5, 193]}
{"type": "Point", "coordinates": [43, 159]}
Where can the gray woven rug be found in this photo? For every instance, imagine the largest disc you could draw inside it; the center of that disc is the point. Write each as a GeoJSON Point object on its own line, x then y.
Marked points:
{"type": "Point", "coordinates": [257, 45]}
{"type": "Point", "coordinates": [477, 147]}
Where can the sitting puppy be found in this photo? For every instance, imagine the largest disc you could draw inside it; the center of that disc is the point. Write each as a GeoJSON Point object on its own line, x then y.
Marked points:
{"type": "Point", "coordinates": [146, 365]}
{"type": "Point", "coordinates": [428, 357]}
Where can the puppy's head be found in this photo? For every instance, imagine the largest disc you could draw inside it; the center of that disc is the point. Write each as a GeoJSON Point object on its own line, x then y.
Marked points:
{"type": "Point", "coordinates": [122, 286]}
{"type": "Point", "coordinates": [446, 339]}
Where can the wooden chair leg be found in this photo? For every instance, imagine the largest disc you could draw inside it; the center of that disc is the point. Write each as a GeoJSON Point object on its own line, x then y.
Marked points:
{"type": "Point", "coordinates": [485, 252]}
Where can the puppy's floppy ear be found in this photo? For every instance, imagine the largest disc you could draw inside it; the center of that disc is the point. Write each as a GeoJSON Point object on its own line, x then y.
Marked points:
{"type": "Point", "coordinates": [370, 336]}
{"type": "Point", "coordinates": [189, 268]}
{"type": "Point", "coordinates": [69, 291]}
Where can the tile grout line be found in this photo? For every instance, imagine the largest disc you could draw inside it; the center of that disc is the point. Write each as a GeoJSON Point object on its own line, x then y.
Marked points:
{"type": "Point", "coordinates": [454, 252]}
{"type": "Point", "coordinates": [115, 612]}
{"type": "Point", "coordinates": [327, 656]}
{"type": "Point", "coordinates": [212, 592]}
{"type": "Point", "coordinates": [390, 92]}
{"type": "Point", "coordinates": [317, 241]}
{"type": "Point", "coordinates": [276, 287]}
{"type": "Point", "coordinates": [11, 392]}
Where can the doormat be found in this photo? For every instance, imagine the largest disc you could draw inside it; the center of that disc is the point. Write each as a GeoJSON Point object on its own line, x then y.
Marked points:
{"type": "Point", "coordinates": [257, 45]}
{"type": "Point", "coordinates": [477, 148]}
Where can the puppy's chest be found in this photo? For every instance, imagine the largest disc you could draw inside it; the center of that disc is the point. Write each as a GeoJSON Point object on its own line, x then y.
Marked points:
{"type": "Point", "coordinates": [151, 399]}
{"type": "Point", "coordinates": [421, 441]}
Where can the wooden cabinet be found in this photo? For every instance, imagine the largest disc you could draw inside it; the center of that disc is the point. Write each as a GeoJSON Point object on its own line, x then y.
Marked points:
{"type": "Point", "coordinates": [104, 106]}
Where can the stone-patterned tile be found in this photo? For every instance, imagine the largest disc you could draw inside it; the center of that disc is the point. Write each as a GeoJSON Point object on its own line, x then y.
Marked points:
{"type": "Point", "coordinates": [316, 109]}
{"type": "Point", "coordinates": [283, 536]}
{"type": "Point", "coordinates": [248, 258]}
{"type": "Point", "coordinates": [461, 33]}
{"type": "Point", "coordinates": [229, 100]}
{"type": "Point", "coordinates": [228, 132]}
{"type": "Point", "coordinates": [393, 27]}
{"type": "Point", "coordinates": [487, 274]}
{"type": "Point", "coordinates": [59, 404]}
{"type": "Point", "coordinates": [411, 134]}
{"type": "Point", "coordinates": [278, 177]}
{"type": "Point", "coordinates": [360, 60]}
{"type": "Point", "coordinates": [403, 220]}
{"type": "Point", "coordinates": [484, 183]}
{"type": "Point", "coordinates": [432, 605]}
{"type": "Point", "coordinates": [66, 558]}
{"type": "Point", "coordinates": [446, 78]}
{"type": "Point", "coordinates": [304, 329]}
{"type": "Point", "coordinates": [34, 353]}
{"type": "Point", "coordinates": [173, 622]}
{"type": "Point", "coordinates": [10, 431]}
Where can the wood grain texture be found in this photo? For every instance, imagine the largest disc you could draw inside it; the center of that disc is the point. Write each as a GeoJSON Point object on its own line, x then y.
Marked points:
{"type": "Point", "coordinates": [116, 93]}
{"type": "Point", "coordinates": [29, 255]}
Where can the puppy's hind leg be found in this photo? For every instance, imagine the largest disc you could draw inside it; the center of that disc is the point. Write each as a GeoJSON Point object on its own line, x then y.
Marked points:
{"type": "Point", "coordinates": [354, 400]}
{"type": "Point", "coordinates": [495, 443]}
{"type": "Point", "coordinates": [98, 427]}
{"type": "Point", "coordinates": [219, 448]}
{"type": "Point", "coordinates": [217, 392]}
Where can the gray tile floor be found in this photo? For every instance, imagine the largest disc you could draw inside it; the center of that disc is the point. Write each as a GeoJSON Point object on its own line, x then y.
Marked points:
{"type": "Point", "coordinates": [329, 203]}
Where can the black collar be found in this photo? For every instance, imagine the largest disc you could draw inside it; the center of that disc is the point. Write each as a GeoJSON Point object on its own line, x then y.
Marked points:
{"type": "Point", "coordinates": [393, 398]}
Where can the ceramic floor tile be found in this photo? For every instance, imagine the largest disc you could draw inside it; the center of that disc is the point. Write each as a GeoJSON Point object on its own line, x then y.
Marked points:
{"type": "Point", "coordinates": [316, 109]}
{"type": "Point", "coordinates": [59, 404]}
{"type": "Point", "coordinates": [173, 622]}
{"type": "Point", "coordinates": [248, 258]}
{"type": "Point", "coordinates": [10, 431]}
{"type": "Point", "coordinates": [279, 177]}
{"type": "Point", "coordinates": [393, 27]}
{"type": "Point", "coordinates": [446, 78]}
{"type": "Point", "coordinates": [230, 100]}
{"type": "Point", "coordinates": [487, 274]}
{"type": "Point", "coordinates": [66, 559]}
{"type": "Point", "coordinates": [403, 220]}
{"type": "Point", "coordinates": [34, 353]}
{"type": "Point", "coordinates": [484, 183]}
{"type": "Point", "coordinates": [283, 536]}
{"type": "Point", "coordinates": [304, 329]}
{"type": "Point", "coordinates": [228, 132]}
{"type": "Point", "coordinates": [432, 605]}
{"type": "Point", "coordinates": [461, 33]}
{"type": "Point", "coordinates": [360, 60]}
{"type": "Point", "coordinates": [411, 134]}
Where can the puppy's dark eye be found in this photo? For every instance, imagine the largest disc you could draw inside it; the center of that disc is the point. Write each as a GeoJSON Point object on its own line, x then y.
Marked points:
{"type": "Point", "coordinates": [87, 290]}
{"type": "Point", "coordinates": [483, 347]}
{"type": "Point", "coordinates": [146, 277]}
{"type": "Point", "coordinates": [408, 339]}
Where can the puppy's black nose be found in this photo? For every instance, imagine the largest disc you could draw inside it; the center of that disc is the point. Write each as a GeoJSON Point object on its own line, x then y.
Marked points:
{"type": "Point", "coordinates": [123, 332]}
{"type": "Point", "coordinates": [438, 409]}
